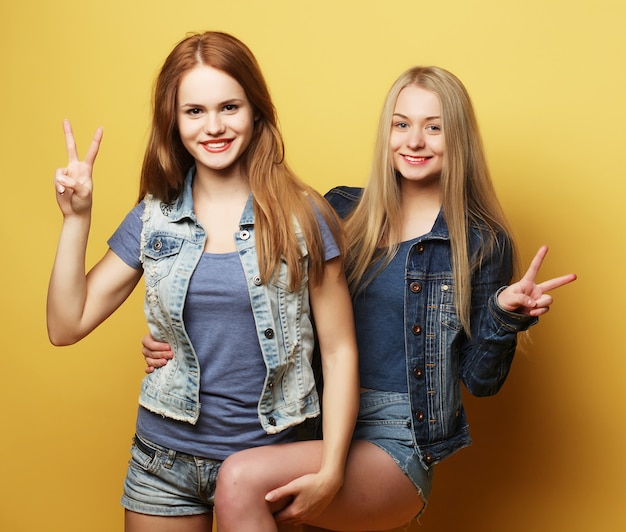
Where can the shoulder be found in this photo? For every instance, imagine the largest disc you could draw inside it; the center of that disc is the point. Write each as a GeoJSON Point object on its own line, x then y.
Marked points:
{"type": "Point", "coordinates": [132, 221]}
{"type": "Point", "coordinates": [483, 232]}
{"type": "Point", "coordinates": [344, 199]}
{"type": "Point", "coordinates": [492, 247]}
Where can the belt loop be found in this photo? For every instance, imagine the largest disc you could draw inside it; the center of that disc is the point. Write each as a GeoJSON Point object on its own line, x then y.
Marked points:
{"type": "Point", "coordinates": [171, 458]}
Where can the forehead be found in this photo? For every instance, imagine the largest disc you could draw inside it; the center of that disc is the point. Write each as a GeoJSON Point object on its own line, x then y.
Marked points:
{"type": "Point", "coordinates": [206, 83]}
{"type": "Point", "coordinates": [417, 101]}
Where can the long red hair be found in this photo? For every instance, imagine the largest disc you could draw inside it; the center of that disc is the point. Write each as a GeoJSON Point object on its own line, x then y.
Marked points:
{"type": "Point", "coordinates": [280, 199]}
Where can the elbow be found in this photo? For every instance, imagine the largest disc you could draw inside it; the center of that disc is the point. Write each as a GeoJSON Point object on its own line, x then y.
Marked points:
{"type": "Point", "coordinates": [483, 392]}
{"type": "Point", "coordinates": [59, 343]}
{"type": "Point", "coordinates": [60, 339]}
{"type": "Point", "coordinates": [60, 333]}
{"type": "Point", "coordinates": [484, 388]}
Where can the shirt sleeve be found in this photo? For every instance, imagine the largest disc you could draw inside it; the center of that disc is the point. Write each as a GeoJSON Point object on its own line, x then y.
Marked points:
{"type": "Point", "coordinates": [126, 240]}
{"type": "Point", "coordinates": [331, 250]}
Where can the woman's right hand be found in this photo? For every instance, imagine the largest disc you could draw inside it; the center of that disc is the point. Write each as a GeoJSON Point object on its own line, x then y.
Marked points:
{"type": "Point", "coordinates": [156, 353]}
{"type": "Point", "coordinates": [74, 183]}
{"type": "Point", "coordinates": [528, 297]}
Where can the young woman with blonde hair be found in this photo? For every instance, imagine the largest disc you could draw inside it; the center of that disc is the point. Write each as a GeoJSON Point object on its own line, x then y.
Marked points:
{"type": "Point", "coordinates": [239, 257]}
{"type": "Point", "coordinates": [429, 263]}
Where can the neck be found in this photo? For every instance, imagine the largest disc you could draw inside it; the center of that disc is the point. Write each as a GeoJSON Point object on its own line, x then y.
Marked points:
{"type": "Point", "coordinates": [419, 209]}
{"type": "Point", "coordinates": [218, 205]}
{"type": "Point", "coordinates": [208, 186]}
{"type": "Point", "coordinates": [420, 193]}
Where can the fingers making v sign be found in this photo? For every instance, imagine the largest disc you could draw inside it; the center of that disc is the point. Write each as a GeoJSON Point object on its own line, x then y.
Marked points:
{"type": "Point", "coordinates": [74, 183]}
{"type": "Point", "coordinates": [528, 297]}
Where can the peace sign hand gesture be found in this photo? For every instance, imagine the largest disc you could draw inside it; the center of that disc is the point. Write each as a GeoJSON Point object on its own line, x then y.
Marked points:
{"type": "Point", "coordinates": [527, 297]}
{"type": "Point", "coordinates": [74, 183]}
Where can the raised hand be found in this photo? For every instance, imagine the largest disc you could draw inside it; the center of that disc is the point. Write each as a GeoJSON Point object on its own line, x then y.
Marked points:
{"type": "Point", "coordinates": [527, 297]}
{"type": "Point", "coordinates": [74, 183]}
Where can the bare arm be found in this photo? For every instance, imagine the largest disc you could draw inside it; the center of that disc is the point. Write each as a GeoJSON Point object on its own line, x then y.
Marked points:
{"type": "Point", "coordinates": [332, 309]}
{"type": "Point", "coordinates": [79, 302]}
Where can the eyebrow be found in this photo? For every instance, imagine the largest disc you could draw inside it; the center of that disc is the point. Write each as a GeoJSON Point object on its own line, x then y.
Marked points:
{"type": "Point", "coordinates": [226, 102]}
{"type": "Point", "coordinates": [407, 118]}
{"type": "Point", "coordinates": [233, 100]}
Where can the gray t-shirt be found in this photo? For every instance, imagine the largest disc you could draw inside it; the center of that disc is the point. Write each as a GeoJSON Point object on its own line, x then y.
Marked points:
{"type": "Point", "coordinates": [220, 324]}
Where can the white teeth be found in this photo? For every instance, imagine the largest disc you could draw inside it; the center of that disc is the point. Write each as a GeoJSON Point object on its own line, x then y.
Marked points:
{"type": "Point", "coordinates": [415, 159]}
{"type": "Point", "coordinates": [215, 145]}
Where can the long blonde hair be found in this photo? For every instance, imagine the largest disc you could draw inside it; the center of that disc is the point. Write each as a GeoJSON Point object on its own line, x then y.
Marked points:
{"type": "Point", "coordinates": [468, 196]}
{"type": "Point", "coordinates": [280, 199]}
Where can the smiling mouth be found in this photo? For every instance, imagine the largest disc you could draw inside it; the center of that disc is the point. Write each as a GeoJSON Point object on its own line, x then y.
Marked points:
{"type": "Point", "coordinates": [217, 145]}
{"type": "Point", "coordinates": [415, 160]}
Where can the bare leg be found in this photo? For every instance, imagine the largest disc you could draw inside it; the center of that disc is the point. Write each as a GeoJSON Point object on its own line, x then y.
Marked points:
{"type": "Point", "coordinates": [135, 522]}
{"type": "Point", "coordinates": [376, 495]}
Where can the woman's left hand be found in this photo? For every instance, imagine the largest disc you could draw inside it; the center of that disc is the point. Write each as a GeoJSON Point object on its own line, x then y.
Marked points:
{"type": "Point", "coordinates": [308, 496]}
{"type": "Point", "coordinates": [156, 353]}
{"type": "Point", "coordinates": [526, 296]}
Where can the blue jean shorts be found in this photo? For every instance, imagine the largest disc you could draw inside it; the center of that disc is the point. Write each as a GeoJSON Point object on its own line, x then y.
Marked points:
{"type": "Point", "coordinates": [160, 481]}
{"type": "Point", "coordinates": [385, 420]}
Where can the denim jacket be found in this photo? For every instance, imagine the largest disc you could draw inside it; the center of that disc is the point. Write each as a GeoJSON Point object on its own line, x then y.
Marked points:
{"type": "Point", "coordinates": [439, 355]}
{"type": "Point", "coordinates": [172, 243]}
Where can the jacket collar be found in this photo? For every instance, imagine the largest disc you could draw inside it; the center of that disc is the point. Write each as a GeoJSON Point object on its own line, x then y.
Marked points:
{"type": "Point", "coordinates": [440, 228]}
{"type": "Point", "coordinates": [183, 207]}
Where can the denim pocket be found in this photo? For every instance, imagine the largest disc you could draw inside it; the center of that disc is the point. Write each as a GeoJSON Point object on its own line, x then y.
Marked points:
{"type": "Point", "coordinates": [142, 453]}
{"type": "Point", "coordinates": [449, 316]}
{"type": "Point", "coordinates": [160, 253]}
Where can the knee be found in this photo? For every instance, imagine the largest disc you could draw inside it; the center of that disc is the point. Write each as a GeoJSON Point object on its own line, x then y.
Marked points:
{"type": "Point", "coordinates": [232, 471]}
{"type": "Point", "coordinates": [235, 483]}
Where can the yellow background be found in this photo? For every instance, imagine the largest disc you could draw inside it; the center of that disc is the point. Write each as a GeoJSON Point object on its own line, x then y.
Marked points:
{"type": "Point", "coordinates": [548, 81]}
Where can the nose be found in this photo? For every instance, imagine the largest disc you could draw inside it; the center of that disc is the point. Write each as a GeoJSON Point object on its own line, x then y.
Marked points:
{"type": "Point", "coordinates": [213, 124]}
{"type": "Point", "coordinates": [415, 139]}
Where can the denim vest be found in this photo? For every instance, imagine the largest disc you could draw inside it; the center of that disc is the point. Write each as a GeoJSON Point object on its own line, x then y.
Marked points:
{"type": "Point", "coordinates": [439, 355]}
{"type": "Point", "coordinates": [172, 243]}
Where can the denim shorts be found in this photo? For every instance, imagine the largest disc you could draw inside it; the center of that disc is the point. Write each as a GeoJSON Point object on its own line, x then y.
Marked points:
{"type": "Point", "coordinates": [160, 481]}
{"type": "Point", "coordinates": [385, 420]}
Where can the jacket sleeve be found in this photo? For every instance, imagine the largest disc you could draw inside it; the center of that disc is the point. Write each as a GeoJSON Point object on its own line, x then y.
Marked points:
{"type": "Point", "coordinates": [487, 356]}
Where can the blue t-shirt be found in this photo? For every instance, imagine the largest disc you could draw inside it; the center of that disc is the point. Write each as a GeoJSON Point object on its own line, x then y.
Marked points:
{"type": "Point", "coordinates": [220, 324]}
{"type": "Point", "coordinates": [379, 310]}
